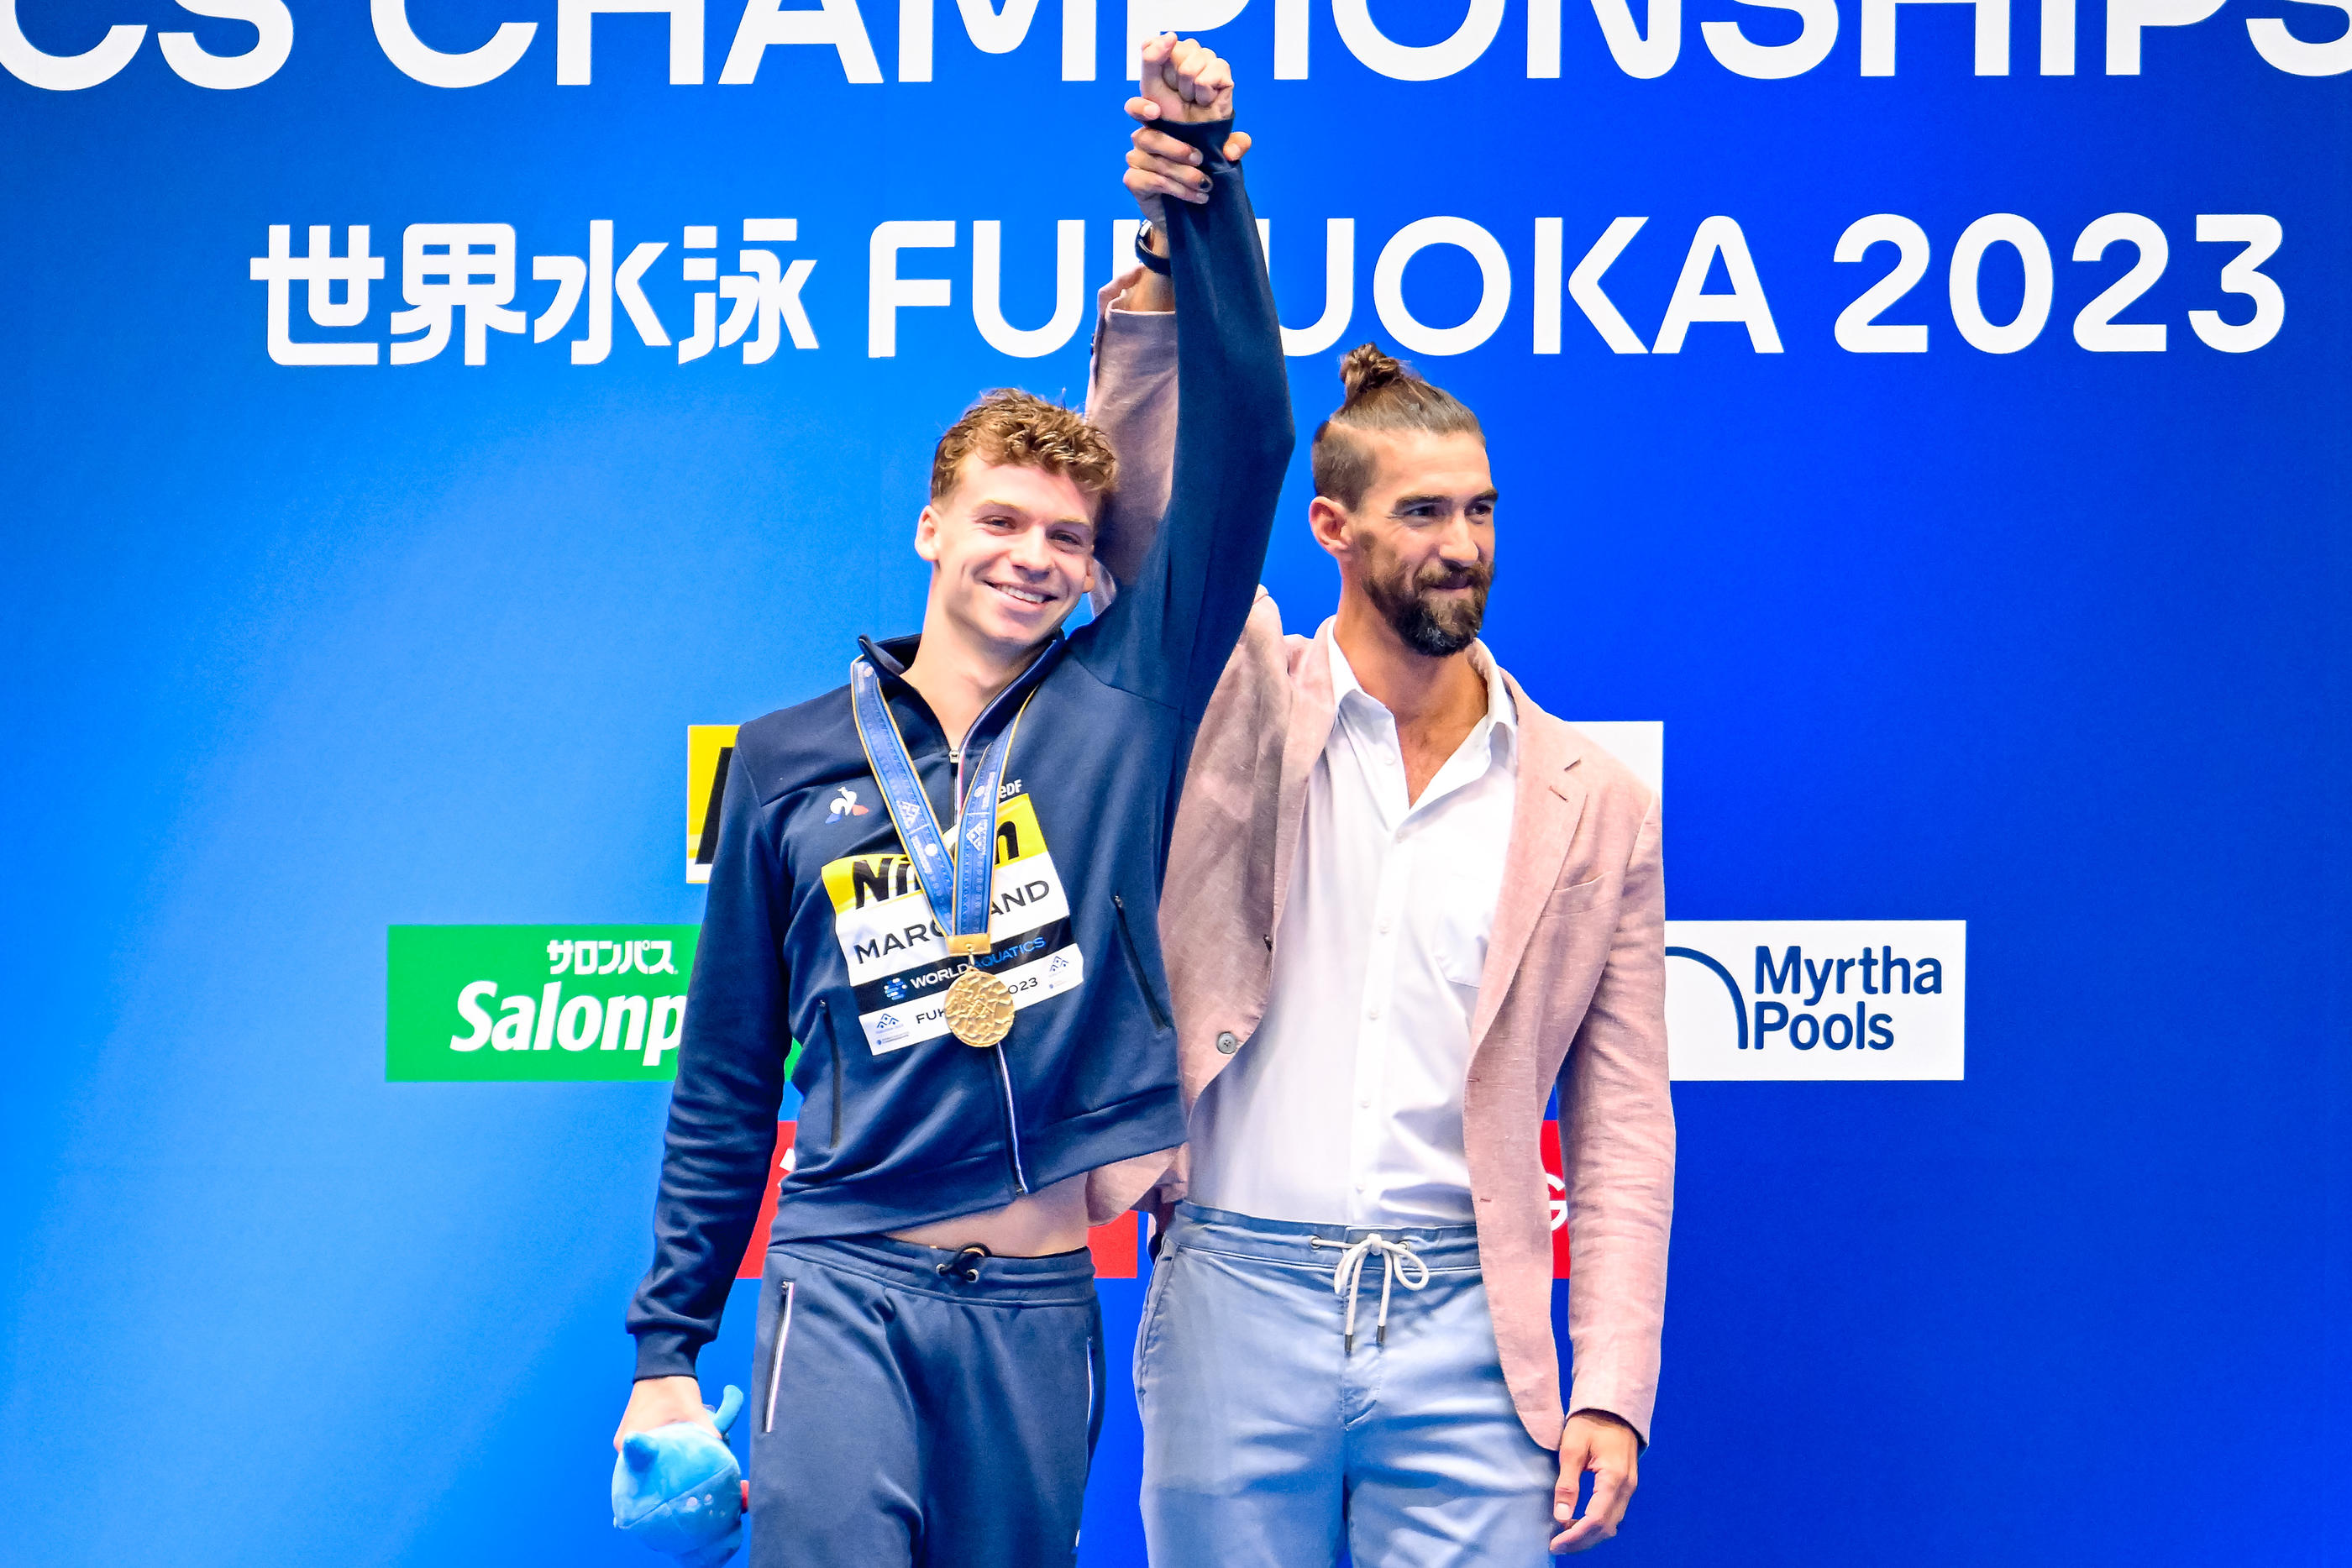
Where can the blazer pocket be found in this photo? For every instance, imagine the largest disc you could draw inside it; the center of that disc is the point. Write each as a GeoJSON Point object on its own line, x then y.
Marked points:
{"type": "Point", "coordinates": [1575, 898]}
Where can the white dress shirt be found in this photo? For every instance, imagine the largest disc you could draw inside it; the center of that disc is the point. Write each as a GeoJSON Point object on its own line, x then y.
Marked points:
{"type": "Point", "coordinates": [1345, 1107]}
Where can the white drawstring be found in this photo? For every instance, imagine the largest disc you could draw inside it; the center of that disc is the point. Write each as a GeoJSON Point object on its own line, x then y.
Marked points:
{"type": "Point", "coordinates": [1399, 1264]}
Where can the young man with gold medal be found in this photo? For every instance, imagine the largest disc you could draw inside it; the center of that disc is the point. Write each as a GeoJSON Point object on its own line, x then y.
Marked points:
{"type": "Point", "coordinates": [943, 882]}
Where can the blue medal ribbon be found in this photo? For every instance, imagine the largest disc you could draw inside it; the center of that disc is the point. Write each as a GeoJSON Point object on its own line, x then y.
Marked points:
{"type": "Point", "coordinates": [956, 877]}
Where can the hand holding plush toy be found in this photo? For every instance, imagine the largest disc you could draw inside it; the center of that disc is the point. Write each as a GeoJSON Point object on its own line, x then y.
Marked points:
{"type": "Point", "coordinates": [679, 1489]}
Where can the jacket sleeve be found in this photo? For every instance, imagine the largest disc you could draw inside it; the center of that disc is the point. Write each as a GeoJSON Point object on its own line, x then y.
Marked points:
{"type": "Point", "coordinates": [722, 1108]}
{"type": "Point", "coordinates": [1131, 399]}
{"type": "Point", "coordinates": [1617, 1149]}
{"type": "Point", "coordinates": [1169, 633]}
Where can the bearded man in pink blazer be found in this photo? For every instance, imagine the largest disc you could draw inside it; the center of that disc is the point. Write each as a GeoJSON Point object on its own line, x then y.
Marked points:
{"type": "Point", "coordinates": [1404, 906]}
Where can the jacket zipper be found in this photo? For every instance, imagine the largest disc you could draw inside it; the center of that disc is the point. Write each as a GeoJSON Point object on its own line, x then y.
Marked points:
{"type": "Point", "coordinates": [957, 753]}
{"type": "Point", "coordinates": [1135, 964]}
{"type": "Point", "coordinates": [957, 749]}
{"type": "Point", "coordinates": [833, 1038]}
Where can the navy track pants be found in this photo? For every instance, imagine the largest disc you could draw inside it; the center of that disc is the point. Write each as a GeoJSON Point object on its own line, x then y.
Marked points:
{"type": "Point", "coordinates": [904, 1413]}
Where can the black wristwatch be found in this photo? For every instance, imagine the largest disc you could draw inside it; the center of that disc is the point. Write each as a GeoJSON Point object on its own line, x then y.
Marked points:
{"type": "Point", "coordinates": [1144, 254]}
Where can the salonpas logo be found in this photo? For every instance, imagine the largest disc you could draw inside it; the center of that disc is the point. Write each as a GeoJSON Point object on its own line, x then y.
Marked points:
{"type": "Point", "coordinates": [536, 1003]}
{"type": "Point", "coordinates": [1817, 999]}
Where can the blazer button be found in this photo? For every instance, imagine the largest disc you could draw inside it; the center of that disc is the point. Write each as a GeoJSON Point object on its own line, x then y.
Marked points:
{"type": "Point", "coordinates": [1228, 1044]}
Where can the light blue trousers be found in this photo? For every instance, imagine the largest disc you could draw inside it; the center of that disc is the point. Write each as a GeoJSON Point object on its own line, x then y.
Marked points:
{"type": "Point", "coordinates": [1268, 1442]}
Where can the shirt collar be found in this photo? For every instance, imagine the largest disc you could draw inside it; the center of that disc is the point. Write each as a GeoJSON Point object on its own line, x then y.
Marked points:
{"type": "Point", "coordinates": [1502, 713]}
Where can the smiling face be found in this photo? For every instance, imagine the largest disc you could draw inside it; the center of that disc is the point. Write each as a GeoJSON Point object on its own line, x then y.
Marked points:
{"type": "Point", "coordinates": [1419, 543]}
{"type": "Point", "coordinates": [1012, 548]}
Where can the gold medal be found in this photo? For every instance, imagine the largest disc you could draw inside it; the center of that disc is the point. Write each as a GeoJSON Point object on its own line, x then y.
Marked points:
{"type": "Point", "coordinates": [979, 1008]}
{"type": "Point", "coordinates": [957, 874]}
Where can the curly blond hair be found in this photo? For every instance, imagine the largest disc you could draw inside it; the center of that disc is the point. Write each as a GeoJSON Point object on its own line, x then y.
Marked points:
{"type": "Point", "coordinates": [1025, 431]}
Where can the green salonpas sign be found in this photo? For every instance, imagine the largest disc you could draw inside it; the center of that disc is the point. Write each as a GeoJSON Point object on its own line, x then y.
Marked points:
{"type": "Point", "coordinates": [536, 1004]}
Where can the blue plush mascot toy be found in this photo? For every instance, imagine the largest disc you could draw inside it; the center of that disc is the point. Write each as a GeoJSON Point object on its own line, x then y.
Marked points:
{"type": "Point", "coordinates": [679, 1489]}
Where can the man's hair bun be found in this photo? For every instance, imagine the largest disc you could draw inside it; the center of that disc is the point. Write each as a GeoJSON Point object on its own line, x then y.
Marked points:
{"type": "Point", "coordinates": [1364, 369]}
{"type": "Point", "coordinates": [1383, 394]}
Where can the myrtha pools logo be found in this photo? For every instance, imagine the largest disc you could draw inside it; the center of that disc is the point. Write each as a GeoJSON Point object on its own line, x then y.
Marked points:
{"type": "Point", "coordinates": [1816, 999]}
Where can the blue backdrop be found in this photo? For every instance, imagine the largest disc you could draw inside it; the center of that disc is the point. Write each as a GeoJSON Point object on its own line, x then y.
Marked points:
{"type": "Point", "coordinates": [2052, 641]}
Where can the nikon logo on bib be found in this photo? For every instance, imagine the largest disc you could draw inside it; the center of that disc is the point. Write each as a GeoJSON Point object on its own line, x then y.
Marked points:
{"type": "Point", "coordinates": [900, 965]}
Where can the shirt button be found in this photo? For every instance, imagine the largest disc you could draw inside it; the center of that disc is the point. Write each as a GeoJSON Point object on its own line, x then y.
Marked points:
{"type": "Point", "coordinates": [1228, 1044]}
{"type": "Point", "coordinates": [1373, 1011]}
{"type": "Point", "coordinates": [1363, 1104]}
{"type": "Point", "coordinates": [1385, 927]}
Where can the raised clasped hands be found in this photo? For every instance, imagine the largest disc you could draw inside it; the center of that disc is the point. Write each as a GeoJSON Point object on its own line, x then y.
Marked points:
{"type": "Point", "coordinates": [1184, 82]}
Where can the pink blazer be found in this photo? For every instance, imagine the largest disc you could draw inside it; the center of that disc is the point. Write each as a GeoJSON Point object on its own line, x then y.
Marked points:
{"type": "Point", "coordinates": [1573, 993]}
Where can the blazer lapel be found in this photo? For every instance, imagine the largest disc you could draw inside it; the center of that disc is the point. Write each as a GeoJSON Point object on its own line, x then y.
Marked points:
{"type": "Point", "coordinates": [1309, 730]}
{"type": "Point", "coordinates": [1545, 808]}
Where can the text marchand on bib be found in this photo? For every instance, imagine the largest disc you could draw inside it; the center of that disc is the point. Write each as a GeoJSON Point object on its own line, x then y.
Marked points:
{"type": "Point", "coordinates": [898, 964]}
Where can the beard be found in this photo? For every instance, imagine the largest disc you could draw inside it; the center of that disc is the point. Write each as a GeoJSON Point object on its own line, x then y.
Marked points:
{"type": "Point", "coordinates": [1407, 598]}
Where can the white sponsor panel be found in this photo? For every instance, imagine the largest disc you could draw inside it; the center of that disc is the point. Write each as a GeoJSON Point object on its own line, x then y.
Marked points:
{"type": "Point", "coordinates": [1876, 999]}
{"type": "Point", "coordinates": [1639, 743]}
